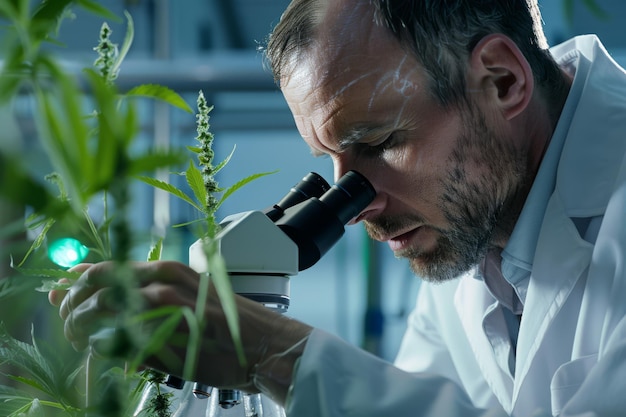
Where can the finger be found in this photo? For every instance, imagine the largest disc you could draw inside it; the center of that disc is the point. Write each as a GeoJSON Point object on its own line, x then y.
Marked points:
{"type": "Point", "coordinates": [55, 297]}
{"type": "Point", "coordinates": [93, 278]}
{"type": "Point", "coordinates": [88, 317]}
{"type": "Point", "coordinates": [158, 294]}
{"type": "Point", "coordinates": [167, 272]}
{"type": "Point", "coordinates": [80, 267]}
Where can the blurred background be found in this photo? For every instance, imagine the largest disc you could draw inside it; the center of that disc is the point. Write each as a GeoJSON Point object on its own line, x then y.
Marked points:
{"type": "Point", "coordinates": [358, 291]}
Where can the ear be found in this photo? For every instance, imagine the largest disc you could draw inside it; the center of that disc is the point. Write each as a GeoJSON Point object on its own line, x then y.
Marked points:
{"type": "Point", "coordinates": [499, 69]}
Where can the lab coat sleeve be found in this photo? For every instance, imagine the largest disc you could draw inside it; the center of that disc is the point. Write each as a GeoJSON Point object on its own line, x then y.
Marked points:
{"type": "Point", "coordinates": [336, 379]}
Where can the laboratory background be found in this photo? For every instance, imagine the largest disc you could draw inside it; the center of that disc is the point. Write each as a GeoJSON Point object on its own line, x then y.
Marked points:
{"type": "Point", "coordinates": [358, 290]}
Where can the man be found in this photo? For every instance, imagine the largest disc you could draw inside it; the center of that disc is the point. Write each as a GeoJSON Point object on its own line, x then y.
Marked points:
{"type": "Point", "coordinates": [499, 174]}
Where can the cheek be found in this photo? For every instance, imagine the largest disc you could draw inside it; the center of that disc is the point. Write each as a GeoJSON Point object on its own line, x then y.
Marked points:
{"type": "Point", "coordinates": [414, 176]}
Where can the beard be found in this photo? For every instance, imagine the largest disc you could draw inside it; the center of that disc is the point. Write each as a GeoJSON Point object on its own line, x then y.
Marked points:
{"type": "Point", "coordinates": [480, 209]}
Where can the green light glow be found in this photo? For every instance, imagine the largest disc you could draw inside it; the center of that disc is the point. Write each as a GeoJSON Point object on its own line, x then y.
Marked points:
{"type": "Point", "coordinates": [67, 252]}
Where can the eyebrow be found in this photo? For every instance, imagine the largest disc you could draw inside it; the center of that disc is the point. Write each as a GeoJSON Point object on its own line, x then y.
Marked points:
{"type": "Point", "coordinates": [353, 136]}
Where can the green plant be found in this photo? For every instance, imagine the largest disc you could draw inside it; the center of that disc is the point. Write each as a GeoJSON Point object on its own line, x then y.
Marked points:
{"type": "Point", "coordinates": [93, 161]}
{"type": "Point", "coordinates": [591, 5]}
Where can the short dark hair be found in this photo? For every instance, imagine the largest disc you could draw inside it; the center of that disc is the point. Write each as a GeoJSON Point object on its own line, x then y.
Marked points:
{"type": "Point", "coordinates": [441, 33]}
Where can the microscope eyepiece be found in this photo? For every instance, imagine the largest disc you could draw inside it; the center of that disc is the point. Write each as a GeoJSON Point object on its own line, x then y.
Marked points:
{"type": "Point", "coordinates": [349, 196]}
{"type": "Point", "coordinates": [316, 224]}
{"type": "Point", "coordinates": [312, 185]}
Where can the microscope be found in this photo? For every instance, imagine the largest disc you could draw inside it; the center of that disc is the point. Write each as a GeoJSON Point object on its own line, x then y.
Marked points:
{"type": "Point", "coordinates": [262, 249]}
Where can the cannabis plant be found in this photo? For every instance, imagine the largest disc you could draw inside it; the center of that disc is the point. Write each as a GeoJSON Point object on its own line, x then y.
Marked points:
{"type": "Point", "coordinates": [90, 152]}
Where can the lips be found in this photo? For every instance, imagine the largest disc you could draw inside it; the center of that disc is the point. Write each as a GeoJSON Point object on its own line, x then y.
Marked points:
{"type": "Point", "coordinates": [402, 241]}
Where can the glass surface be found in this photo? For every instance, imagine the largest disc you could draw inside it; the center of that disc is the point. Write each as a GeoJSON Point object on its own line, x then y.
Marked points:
{"type": "Point", "coordinates": [252, 405]}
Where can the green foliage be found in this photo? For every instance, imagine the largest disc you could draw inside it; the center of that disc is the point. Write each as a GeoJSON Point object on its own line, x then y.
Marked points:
{"type": "Point", "coordinates": [204, 186]}
{"type": "Point", "coordinates": [159, 92]}
{"type": "Point", "coordinates": [52, 383]}
{"type": "Point", "coordinates": [591, 5]}
{"type": "Point", "coordinates": [90, 153]}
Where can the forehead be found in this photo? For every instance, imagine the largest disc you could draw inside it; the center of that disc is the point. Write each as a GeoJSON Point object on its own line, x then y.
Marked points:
{"type": "Point", "coordinates": [350, 44]}
{"type": "Point", "coordinates": [352, 66]}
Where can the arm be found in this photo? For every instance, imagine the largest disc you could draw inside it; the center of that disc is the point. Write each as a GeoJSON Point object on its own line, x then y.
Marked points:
{"type": "Point", "coordinates": [271, 342]}
{"type": "Point", "coordinates": [336, 379]}
{"type": "Point", "coordinates": [327, 376]}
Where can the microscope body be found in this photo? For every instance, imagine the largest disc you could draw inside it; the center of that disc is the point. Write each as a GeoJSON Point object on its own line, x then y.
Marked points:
{"type": "Point", "coordinates": [261, 251]}
{"type": "Point", "coordinates": [259, 258]}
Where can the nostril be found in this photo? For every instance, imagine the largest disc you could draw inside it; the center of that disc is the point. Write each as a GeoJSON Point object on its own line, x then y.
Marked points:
{"type": "Point", "coordinates": [373, 209]}
{"type": "Point", "coordinates": [356, 219]}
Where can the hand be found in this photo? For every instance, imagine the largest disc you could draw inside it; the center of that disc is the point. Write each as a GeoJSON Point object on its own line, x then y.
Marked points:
{"type": "Point", "coordinates": [268, 338]}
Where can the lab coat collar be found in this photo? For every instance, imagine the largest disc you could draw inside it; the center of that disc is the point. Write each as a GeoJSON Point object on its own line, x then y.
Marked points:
{"type": "Point", "coordinates": [586, 179]}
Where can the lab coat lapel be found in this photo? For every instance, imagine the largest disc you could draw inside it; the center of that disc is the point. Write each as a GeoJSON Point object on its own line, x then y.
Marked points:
{"type": "Point", "coordinates": [561, 258]}
{"type": "Point", "coordinates": [560, 246]}
{"type": "Point", "coordinates": [584, 182]}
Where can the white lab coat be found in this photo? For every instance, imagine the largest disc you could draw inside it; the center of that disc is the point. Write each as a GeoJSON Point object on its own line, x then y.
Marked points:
{"type": "Point", "coordinates": [571, 350]}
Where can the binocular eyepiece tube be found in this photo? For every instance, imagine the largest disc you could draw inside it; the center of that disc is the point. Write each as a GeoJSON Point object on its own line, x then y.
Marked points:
{"type": "Point", "coordinates": [317, 223]}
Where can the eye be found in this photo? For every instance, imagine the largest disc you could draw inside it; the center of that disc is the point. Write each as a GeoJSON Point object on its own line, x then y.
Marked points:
{"type": "Point", "coordinates": [379, 146]}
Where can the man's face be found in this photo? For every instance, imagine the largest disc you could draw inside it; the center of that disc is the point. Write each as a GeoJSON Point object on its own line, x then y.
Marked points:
{"type": "Point", "coordinates": [446, 180]}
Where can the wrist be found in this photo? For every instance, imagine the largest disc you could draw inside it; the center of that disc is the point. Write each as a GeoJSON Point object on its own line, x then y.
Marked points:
{"type": "Point", "coordinates": [272, 374]}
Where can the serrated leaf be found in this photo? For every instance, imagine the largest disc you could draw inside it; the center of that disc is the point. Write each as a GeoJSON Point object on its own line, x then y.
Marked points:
{"type": "Point", "coordinates": [28, 381]}
{"type": "Point", "coordinates": [155, 251]}
{"type": "Point", "coordinates": [49, 273]}
{"type": "Point", "coordinates": [64, 132]}
{"type": "Point", "coordinates": [194, 179]}
{"type": "Point", "coordinates": [155, 160]}
{"type": "Point", "coordinates": [28, 359]}
{"type": "Point", "coordinates": [37, 242]}
{"type": "Point", "coordinates": [225, 161]}
{"type": "Point", "coordinates": [194, 149]}
{"type": "Point", "coordinates": [160, 92]}
{"type": "Point", "coordinates": [98, 9]}
{"type": "Point", "coordinates": [128, 40]}
{"type": "Point", "coordinates": [188, 223]}
{"type": "Point", "coordinates": [595, 9]}
{"type": "Point", "coordinates": [50, 10]}
{"type": "Point", "coordinates": [12, 400]}
{"type": "Point", "coordinates": [50, 285]}
{"type": "Point", "coordinates": [11, 393]}
{"type": "Point", "coordinates": [111, 140]}
{"type": "Point", "coordinates": [230, 190]}
{"type": "Point", "coordinates": [162, 185]}
{"type": "Point", "coordinates": [15, 286]}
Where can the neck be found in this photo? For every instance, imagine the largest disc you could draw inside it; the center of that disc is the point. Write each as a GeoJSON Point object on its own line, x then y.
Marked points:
{"type": "Point", "coordinates": [538, 126]}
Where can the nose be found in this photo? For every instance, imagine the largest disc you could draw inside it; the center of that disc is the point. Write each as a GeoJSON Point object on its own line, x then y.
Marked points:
{"type": "Point", "coordinates": [372, 210]}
